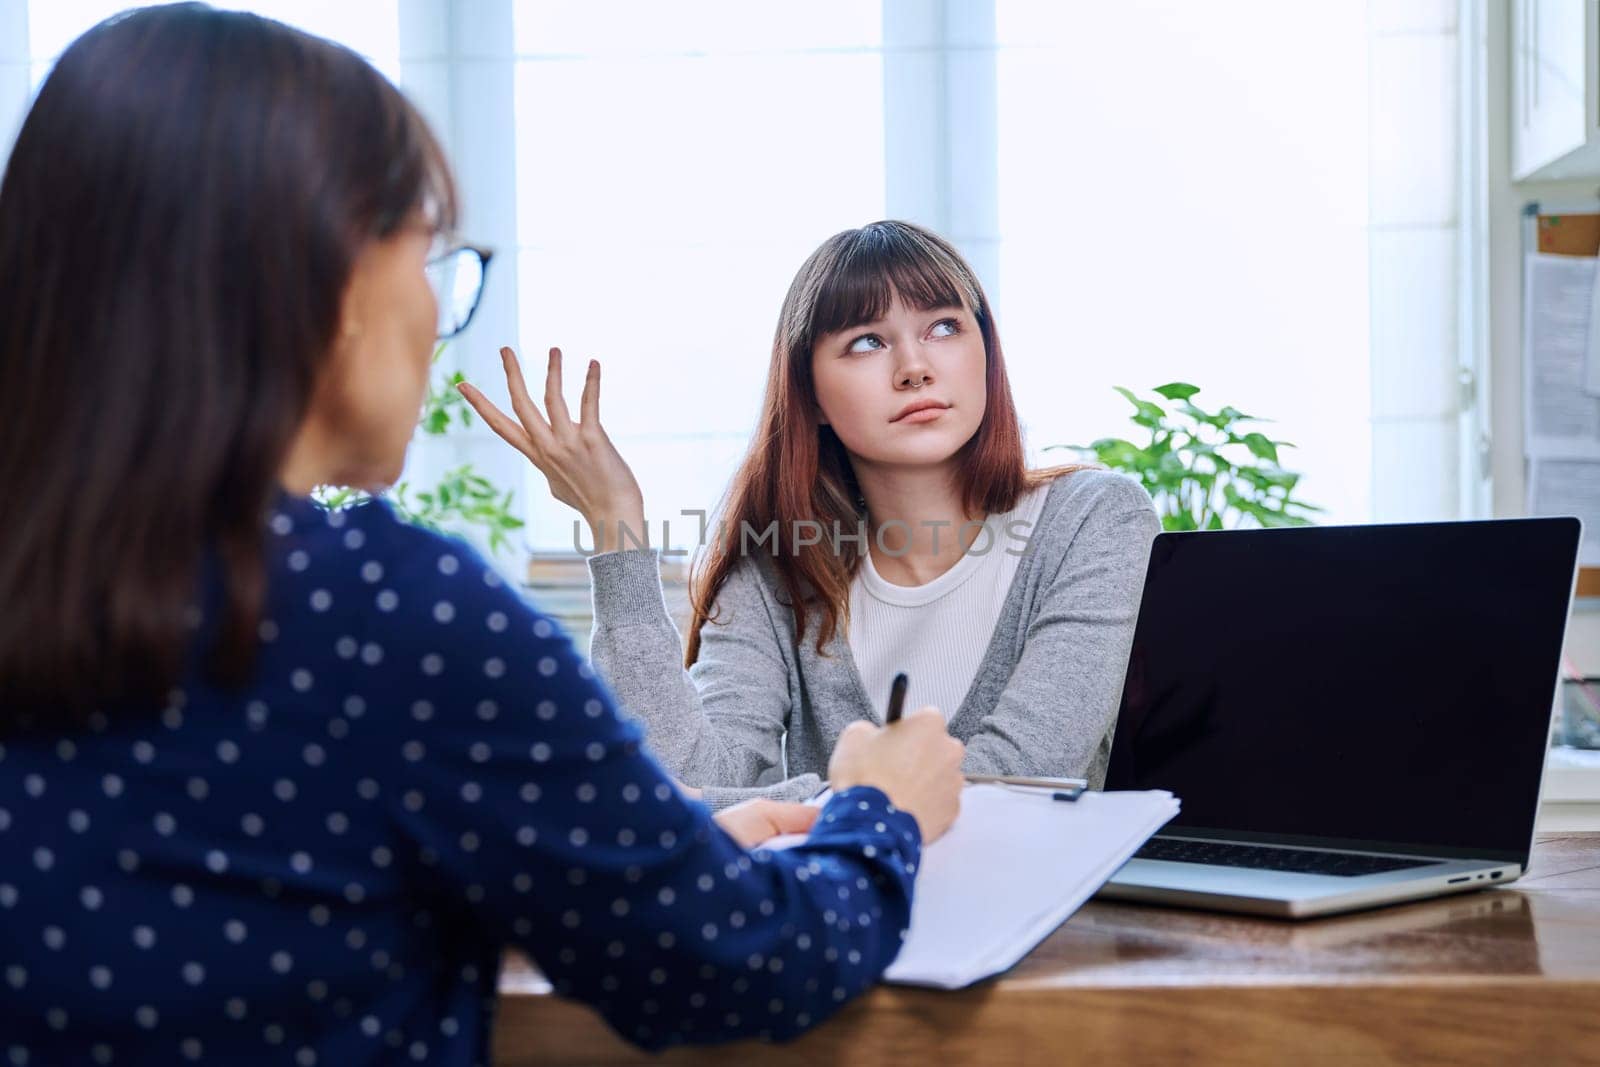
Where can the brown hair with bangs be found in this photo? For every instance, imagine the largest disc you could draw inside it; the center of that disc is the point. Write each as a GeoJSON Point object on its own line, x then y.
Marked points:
{"type": "Point", "coordinates": [179, 219]}
{"type": "Point", "coordinates": [797, 471]}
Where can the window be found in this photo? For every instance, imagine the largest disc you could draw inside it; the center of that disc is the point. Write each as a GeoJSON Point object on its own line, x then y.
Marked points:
{"type": "Point", "coordinates": [33, 33]}
{"type": "Point", "coordinates": [1254, 197]}
{"type": "Point", "coordinates": [675, 165]}
{"type": "Point", "coordinates": [1183, 196]}
{"type": "Point", "coordinates": [1263, 199]}
{"type": "Point", "coordinates": [371, 27]}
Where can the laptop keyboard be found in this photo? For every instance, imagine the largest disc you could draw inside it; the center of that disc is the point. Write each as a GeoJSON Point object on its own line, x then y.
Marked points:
{"type": "Point", "coordinates": [1271, 858]}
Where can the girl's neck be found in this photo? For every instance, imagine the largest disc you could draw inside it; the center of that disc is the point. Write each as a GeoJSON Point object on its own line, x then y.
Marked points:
{"type": "Point", "coordinates": [923, 512]}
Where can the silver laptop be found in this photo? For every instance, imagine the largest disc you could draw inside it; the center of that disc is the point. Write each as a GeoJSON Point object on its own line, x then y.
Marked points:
{"type": "Point", "coordinates": [1351, 715]}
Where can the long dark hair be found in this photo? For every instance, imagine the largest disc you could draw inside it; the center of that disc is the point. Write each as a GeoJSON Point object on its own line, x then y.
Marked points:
{"type": "Point", "coordinates": [179, 219]}
{"type": "Point", "coordinates": [797, 470]}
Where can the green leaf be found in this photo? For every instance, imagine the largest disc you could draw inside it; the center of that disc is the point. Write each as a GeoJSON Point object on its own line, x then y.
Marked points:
{"type": "Point", "coordinates": [1177, 390]}
{"type": "Point", "coordinates": [1261, 446]}
{"type": "Point", "coordinates": [1117, 453]}
{"type": "Point", "coordinates": [1154, 412]}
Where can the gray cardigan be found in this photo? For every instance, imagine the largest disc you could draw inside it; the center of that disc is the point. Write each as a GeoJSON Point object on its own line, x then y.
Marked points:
{"type": "Point", "coordinates": [759, 712]}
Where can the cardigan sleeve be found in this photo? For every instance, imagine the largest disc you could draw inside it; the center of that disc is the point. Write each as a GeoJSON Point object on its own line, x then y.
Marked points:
{"type": "Point", "coordinates": [535, 804]}
{"type": "Point", "coordinates": [1062, 696]}
{"type": "Point", "coordinates": [719, 724]}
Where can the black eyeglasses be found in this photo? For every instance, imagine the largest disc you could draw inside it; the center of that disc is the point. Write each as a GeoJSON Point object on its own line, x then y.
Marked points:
{"type": "Point", "coordinates": [457, 278]}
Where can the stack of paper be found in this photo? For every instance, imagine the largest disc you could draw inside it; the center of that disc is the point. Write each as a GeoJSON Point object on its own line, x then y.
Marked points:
{"type": "Point", "coordinates": [1015, 865]}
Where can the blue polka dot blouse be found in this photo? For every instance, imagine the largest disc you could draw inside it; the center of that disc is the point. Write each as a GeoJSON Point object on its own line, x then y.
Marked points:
{"type": "Point", "coordinates": [324, 867]}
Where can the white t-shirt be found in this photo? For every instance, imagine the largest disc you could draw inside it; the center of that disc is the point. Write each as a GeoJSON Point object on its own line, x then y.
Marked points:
{"type": "Point", "coordinates": [937, 633]}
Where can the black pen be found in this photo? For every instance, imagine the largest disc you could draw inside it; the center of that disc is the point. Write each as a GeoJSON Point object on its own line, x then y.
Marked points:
{"type": "Point", "coordinates": [897, 698]}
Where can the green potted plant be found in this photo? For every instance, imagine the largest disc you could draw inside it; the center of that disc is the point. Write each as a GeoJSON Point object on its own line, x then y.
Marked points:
{"type": "Point", "coordinates": [1203, 471]}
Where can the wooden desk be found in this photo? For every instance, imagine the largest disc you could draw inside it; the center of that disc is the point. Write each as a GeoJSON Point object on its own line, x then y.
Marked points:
{"type": "Point", "coordinates": [1509, 975]}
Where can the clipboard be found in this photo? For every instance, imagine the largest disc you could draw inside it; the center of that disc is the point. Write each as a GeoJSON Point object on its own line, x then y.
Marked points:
{"type": "Point", "coordinates": [1013, 867]}
{"type": "Point", "coordinates": [1566, 230]}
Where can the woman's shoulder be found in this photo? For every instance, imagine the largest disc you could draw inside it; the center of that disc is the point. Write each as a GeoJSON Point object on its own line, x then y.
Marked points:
{"type": "Point", "coordinates": [381, 570]}
{"type": "Point", "coordinates": [365, 532]}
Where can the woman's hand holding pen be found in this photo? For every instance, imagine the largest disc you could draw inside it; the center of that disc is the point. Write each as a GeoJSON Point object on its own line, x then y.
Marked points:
{"type": "Point", "coordinates": [914, 761]}
{"type": "Point", "coordinates": [584, 468]}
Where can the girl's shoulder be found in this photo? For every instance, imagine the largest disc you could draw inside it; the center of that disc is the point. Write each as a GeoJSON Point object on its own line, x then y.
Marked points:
{"type": "Point", "coordinates": [1093, 489]}
{"type": "Point", "coordinates": [754, 582]}
{"type": "Point", "coordinates": [1092, 505]}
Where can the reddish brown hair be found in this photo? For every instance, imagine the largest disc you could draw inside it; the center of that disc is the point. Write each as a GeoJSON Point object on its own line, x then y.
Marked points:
{"type": "Point", "coordinates": [798, 471]}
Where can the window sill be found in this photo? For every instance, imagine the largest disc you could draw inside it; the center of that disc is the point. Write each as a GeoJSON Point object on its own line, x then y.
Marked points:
{"type": "Point", "coordinates": [558, 584]}
{"type": "Point", "coordinates": [1572, 775]}
{"type": "Point", "coordinates": [1571, 790]}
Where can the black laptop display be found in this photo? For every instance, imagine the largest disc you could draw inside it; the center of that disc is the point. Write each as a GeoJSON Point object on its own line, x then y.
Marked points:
{"type": "Point", "coordinates": [1350, 686]}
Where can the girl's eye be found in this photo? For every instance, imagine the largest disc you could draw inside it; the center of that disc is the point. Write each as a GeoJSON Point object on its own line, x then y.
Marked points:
{"type": "Point", "coordinates": [865, 343]}
{"type": "Point", "coordinates": [946, 328]}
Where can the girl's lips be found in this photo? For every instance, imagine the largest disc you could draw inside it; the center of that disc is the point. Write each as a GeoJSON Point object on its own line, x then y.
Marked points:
{"type": "Point", "coordinates": [925, 415]}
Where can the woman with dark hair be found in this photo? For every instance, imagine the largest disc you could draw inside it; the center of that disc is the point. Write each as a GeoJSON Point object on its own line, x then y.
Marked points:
{"type": "Point", "coordinates": [883, 520]}
{"type": "Point", "coordinates": [280, 783]}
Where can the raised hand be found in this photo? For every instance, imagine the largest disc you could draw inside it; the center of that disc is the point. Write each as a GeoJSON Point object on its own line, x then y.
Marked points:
{"type": "Point", "coordinates": [583, 467]}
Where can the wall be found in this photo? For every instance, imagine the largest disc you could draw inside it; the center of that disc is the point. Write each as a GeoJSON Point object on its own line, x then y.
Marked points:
{"type": "Point", "coordinates": [1506, 200]}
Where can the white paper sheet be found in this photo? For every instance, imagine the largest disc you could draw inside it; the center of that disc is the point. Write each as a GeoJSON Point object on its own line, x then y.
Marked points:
{"type": "Point", "coordinates": [1015, 865]}
{"type": "Point", "coordinates": [1569, 487]}
{"type": "Point", "coordinates": [1560, 419]}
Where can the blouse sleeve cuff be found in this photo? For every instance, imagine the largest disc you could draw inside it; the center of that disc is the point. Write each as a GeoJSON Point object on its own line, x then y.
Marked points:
{"type": "Point", "coordinates": [865, 809]}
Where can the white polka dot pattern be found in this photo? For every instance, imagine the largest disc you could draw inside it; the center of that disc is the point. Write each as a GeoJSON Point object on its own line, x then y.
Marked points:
{"type": "Point", "coordinates": [240, 876]}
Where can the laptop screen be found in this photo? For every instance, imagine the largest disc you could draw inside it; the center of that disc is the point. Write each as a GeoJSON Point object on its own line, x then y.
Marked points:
{"type": "Point", "coordinates": [1357, 685]}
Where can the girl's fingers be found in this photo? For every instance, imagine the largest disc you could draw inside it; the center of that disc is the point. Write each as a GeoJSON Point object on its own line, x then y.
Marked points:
{"type": "Point", "coordinates": [554, 404]}
{"type": "Point", "coordinates": [746, 823]}
{"type": "Point", "coordinates": [589, 405]}
{"type": "Point", "coordinates": [502, 424]}
{"type": "Point", "coordinates": [538, 430]}
{"type": "Point", "coordinates": [790, 818]}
